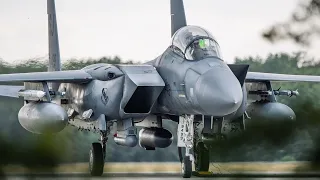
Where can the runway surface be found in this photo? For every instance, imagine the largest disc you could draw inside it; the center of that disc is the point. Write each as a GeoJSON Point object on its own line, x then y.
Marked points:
{"type": "Point", "coordinates": [126, 178]}
{"type": "Point", "coordinates": [171, 171]}
{"type": "Point", "coordinates": [82, 176]}
{"type": "Point", "coordinates": [158, 178]}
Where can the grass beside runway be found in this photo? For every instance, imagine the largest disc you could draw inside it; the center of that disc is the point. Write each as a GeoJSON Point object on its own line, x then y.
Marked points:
{"type": "Point", "coordinates": [138, 167]}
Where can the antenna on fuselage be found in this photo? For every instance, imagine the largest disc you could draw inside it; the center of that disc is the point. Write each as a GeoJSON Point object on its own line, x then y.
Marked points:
{"type": "Point", "coordinates": [178, 16]}
{"type": "Point", "coordinates": [54, 52]}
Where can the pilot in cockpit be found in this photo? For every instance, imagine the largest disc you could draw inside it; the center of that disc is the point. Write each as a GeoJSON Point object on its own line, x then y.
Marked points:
{"type": "Point", "coordinates": [199, 49]}
{"type": "Point", "coordinates": [195, 43]}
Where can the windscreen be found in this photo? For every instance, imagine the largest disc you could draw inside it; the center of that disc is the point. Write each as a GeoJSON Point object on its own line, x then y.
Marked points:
{"type": "Point", "coordinates": [195, 43]}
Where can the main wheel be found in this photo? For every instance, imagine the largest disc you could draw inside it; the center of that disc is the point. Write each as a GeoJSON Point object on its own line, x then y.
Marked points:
{"type": "Point", "coordinates": [96, 162]}
{"type": "Point", "coordinates": [202, 158]}
{"type": "Point", "coordinates": [186, 167]}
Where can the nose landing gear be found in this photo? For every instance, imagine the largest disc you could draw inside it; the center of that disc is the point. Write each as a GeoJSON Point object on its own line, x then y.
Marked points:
{"type": "Point", "coordinates": [185, 140]}
{"type": "Point", "coordinates": [201, 161]}
{"type": "Point", "coordinates": [194, 140]}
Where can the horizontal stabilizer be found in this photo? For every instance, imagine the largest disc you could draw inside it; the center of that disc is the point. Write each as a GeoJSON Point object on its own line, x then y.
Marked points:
{"type": "Point", "coordinates": [55, 76]}
{"type": "Point", "coordinates": [258, 77]}
{"type": "Point", "coordinates": [10, 91]}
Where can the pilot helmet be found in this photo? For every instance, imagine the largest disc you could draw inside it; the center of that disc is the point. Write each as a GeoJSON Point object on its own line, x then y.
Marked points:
{"type": "Point", "coordinates": [197, 49]}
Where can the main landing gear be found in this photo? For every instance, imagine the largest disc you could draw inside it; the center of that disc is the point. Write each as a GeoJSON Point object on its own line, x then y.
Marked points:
{"type": "Point", "coordinates": [185, 141]}
{"type": "Point", "coordinates": [97, 156]}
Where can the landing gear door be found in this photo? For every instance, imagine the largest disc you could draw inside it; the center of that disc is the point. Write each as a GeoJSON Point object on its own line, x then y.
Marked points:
{"type": "Point", "coordinates": [181, 133]}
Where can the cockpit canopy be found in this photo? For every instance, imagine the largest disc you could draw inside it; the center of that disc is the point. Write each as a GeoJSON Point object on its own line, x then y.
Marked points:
{"type": "Point", "coordinates": [195, 43]}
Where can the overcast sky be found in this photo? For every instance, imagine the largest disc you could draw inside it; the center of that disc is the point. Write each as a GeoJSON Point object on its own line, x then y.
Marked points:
{"type": "Point", "coordinates": [138, 30]}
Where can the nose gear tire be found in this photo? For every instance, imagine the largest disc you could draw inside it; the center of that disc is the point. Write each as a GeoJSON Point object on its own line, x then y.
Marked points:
{"type": "Point", "coordinates": [186, 167]}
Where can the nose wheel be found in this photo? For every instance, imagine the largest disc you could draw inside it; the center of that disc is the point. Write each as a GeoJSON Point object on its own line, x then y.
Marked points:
{"type": "Point", "coordinates": [186, 167]}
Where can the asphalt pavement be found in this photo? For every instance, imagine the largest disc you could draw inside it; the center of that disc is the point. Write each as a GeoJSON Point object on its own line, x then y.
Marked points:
{"type": "Point", "coordinates": [77, 176]}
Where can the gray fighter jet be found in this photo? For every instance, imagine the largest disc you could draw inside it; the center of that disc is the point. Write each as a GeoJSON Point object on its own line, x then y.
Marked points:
{"type": "Point", "coordinates": [189, 83]}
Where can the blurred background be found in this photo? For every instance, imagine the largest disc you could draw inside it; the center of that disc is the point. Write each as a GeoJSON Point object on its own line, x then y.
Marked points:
{"type": "Point", "coordinates": [298, 142]}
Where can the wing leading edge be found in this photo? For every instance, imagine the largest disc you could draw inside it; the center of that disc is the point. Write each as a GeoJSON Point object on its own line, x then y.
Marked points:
{"type": "Point", "coordinates": [258, 77]}
{"type": "Point", "coordinates": [74, 76]}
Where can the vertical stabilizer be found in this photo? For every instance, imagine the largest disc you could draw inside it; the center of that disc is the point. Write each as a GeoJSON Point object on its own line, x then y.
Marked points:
{"type": "Point", "coordinates": [178, 17]}
{"type": "Point", "coordinates": [54, 52]}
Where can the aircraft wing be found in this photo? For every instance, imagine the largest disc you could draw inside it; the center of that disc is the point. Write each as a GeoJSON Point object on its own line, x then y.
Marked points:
{"type": "Point", "coordinates": [259, 77]}
{"type": "Point", "coordinates": [54, 76]}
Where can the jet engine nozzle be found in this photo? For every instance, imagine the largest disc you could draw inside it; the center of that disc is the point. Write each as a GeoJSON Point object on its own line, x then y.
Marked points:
{"type": "Point", "coordinates": [218, 92]}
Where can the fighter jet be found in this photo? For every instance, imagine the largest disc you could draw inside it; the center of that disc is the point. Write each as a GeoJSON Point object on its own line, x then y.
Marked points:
{"type": "Point", "coordinates": [189, 84]}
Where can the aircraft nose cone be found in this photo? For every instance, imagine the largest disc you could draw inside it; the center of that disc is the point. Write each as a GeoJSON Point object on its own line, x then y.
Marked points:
{"type": "Point", "coordinates": [218, 92]}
